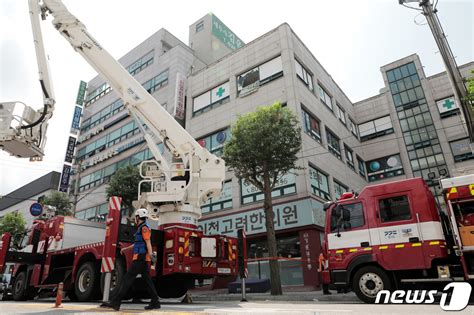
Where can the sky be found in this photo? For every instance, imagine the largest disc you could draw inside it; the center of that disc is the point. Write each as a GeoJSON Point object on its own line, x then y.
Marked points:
{"type": "Point", "coordinates": [351, 39]}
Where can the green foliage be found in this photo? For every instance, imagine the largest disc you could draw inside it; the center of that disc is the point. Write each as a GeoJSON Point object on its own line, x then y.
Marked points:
{"type": "Point", "coordinates": [470, 87]}
{"type": "Point", "coordinates": [60, 201]}
{"type": "Point", "coordinates": [264, 141]}
{"type": "Point", "coordinates": [15, 224]}
{"type": "Point", "coordinates": [124, 183]}
{"type": "Point", "coordinates": [263, 147]}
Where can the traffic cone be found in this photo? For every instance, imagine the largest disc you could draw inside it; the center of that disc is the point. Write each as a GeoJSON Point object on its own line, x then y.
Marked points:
{"type": "Point", "coordinates": [59, 296]}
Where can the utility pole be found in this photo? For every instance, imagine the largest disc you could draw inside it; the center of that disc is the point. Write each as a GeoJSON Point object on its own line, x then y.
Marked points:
{"type": "Point", "coordinates": [455, 78]}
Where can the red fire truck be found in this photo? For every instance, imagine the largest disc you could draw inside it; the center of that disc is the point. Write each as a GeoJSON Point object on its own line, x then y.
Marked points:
{"type": "Point", "coordinates": [72, 251]}
{"type": "Point", "coordinates": [394, 235]}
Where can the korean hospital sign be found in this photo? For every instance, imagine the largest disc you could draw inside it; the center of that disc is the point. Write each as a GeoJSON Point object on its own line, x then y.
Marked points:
{"type": "Point", "coordinates": [288, 215]}
{"type": "Point", "coordinates": [225, 35]}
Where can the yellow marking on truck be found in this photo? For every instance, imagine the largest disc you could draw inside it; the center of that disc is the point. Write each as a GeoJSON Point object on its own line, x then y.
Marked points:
{"type": "Point", "coordinates": [339, 251]}
{"type": "Point", "coordinates": [368, 248]}
{"type": "Point", "coordinates": [352, 250]}
{"type": "Point", "coordinates": [399, 245]}
{"type": "Point", "coordinates": [383, 247]}
{"type": "Point", "coordinates": [471, 188]}
{"type": "Point", "coordinates": [415, 244]}
{"type": "Point", "coordinates": [434, 243]}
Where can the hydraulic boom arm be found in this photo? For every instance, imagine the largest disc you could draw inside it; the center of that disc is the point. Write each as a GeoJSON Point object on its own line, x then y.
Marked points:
{"type": "Point", "coordinates": [179, 187]}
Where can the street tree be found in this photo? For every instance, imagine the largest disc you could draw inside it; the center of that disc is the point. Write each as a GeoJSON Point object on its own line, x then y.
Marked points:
{"type": "Point", "coordinates": [60, 201]}
{"type": "Point", "coordinates": [124, 183]}
{"type": "Point", "coordinates": [15, 224]}
{"type": "Point", "coordinates": [263, 148]}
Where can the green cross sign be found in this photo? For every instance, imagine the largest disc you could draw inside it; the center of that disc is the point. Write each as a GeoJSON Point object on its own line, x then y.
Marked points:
{"type": "Point", "coordinates": [220, 91]}
{"type": "Point", "coordinates": [448, 104]}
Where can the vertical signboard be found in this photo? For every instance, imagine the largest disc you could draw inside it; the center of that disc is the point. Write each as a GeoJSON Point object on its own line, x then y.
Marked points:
{"type": "Point", "coordinates": [65, 176]}
{"type": "Point", "coordinates": [179, 96]}
{"type": "Point", "coordinates": [71, 144]}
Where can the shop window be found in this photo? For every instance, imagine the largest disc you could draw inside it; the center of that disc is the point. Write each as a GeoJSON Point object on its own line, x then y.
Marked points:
{"type": "Point", "coordinates": [304, 75]}
{"type": "Point", "coordinates": [249, 81]}
{"type": "Point", "coordinates": [324, 97]}
{"type": "Point", "coordinates": [210, 99]}
{"type": "Point", "coordinates": [224, 201]}
{"type": "Point", "coordinates": [340, 113]}
{"type": "Point", "coordinates": [286, 185]}
{"type": "Point", "coordinates": [339, 189]}
{"type": "Point", "coordinates": [319, 183]}
{"type": "Point", "coordinates": [394, 209]}
{"type": "Point", "coordinates": [375, 128]}
{"type": "Point", "coordinates": [312, 126]}
{"type": "Point", "coordinates": [349, 158]}
{"type": "Point", "coordinates": [384, 167]}
{"type": "Point", "coordinates": [461, 150]}
{"type": "Point", "coordinates": [333, 144]}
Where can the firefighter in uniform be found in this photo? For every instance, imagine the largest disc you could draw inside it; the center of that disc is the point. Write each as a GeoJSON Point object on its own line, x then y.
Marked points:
{"type": "Point", "coordinates": [142, 255]}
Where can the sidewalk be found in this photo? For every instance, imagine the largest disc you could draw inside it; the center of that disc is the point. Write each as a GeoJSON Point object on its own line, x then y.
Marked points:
{"type": "Point", "coordinates": [300, 294]}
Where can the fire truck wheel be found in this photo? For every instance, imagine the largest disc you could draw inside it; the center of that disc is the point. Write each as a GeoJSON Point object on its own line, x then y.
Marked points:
{"type": "Point", "coordinates": [20, 288]}
{"type": "Point", "coordinates": [368, 281]}
{"type": "Point", "coordinates": [87, 284]}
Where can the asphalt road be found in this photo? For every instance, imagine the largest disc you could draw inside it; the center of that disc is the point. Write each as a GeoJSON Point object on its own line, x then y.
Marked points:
{"type": "Point", "coordinates": [250, 308]}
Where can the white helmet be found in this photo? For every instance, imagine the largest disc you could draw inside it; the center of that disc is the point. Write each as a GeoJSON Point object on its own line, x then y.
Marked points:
{"type": "Point", "coordinates": [141, 213]}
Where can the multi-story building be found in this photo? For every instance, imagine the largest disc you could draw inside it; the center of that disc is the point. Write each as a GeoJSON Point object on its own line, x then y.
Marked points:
{"type": "Point", "coordinates": [412, 128]}
{"type": "Point", "coordinates": [21, 199]}
{"type": "Point", "coordinates": [109, 138]}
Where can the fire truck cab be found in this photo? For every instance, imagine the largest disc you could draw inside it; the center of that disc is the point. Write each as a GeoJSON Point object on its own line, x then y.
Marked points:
{"type": "Point", "coordinates": [390, 236]}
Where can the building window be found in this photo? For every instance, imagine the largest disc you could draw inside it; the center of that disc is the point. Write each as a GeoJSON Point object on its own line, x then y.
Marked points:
{"type": "Point", "coordinates": [224, 201]}
{"type": "Point", "coordinates": [361, 164]}
{"type": "Point", "coordinates": [333, 144]}
{"type": "Point", "coordinates": [347, 217]}
{"type": "Point", "coordinates": [353, 128]}
{"type": "Point", "coordinates": [385, 167]}
{"type": "Point", "coordinates": [340, 113]}
{"type": "Point", "coordinates": [286, 185]}
{"type": "Point", "coordinates": [319, 183]}
{"type": "Point", "coordinates": [199, 26]}
{"type": "Point", "coordinates": [304, 75]}
{"type": "Point", "coordinates": [339, 189]}
{"type": "Point", "coordinates": [461, 149]}
{"type": "Point", "coordinates": [157, 82]}
{"type": "Point", "coordinates": [375, 128]}
{"type": "Point", "coordinates": [94, 95]}
{"type": "Point", "coordinates": [141, 63]}
{"type": "Point", "coordinates": [214, 143]}
{"type": "Point", "coordinates": [211, 99]}
{"type": "Point", "coordinates": [250, 81]}
{"type": "Point", "coordinates": [394, 209]}
{"type": "Point", "coordinates": [447, 107]}
{"type": "Point", "coordinates": [103, 115]}
{"type": "Point", "coordinates": [419, 131]}
{"type": "Point", "coordinates": [324, 97]}
{"type": "Point", "coordinates": [103, 175]}
{"type": "Point", "coordinates": [312, 126]}
{"type": "Point", "coordinates": [349, 158]}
